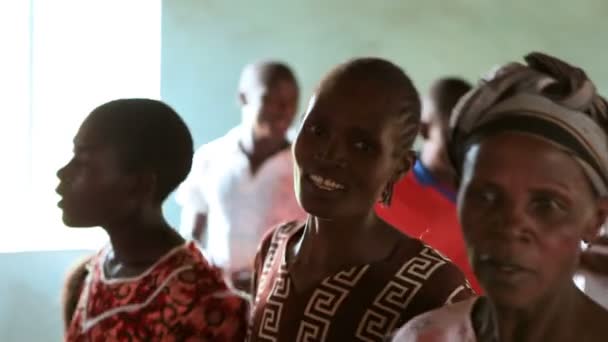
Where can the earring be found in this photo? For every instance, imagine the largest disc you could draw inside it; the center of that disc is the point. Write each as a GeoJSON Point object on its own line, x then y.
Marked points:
{"type": "Point", "coordinates": [387, 195]}
{"type": "Point", "coordinates": [585, 245]}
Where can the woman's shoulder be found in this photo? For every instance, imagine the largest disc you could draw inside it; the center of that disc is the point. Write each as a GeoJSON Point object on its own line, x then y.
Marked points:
{"type": "Point", "coordinates": [277, 234]}
{"type": "Point", "coordinates": [195, 274]}
{"type": "Point", "coordinates": [424, 260]}
{"type": "Point", "coordinates": [73, 285]}
{"type": "Point", "coordinates": [448, 323]}
{"type": "Point", "coordinates": [439, 281]}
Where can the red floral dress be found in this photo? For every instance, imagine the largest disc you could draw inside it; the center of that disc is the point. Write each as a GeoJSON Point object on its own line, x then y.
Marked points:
{"type": "Point", "coordinates": [180, 298]}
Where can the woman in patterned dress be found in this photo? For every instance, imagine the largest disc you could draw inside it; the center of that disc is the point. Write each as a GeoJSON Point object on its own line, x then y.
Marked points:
{"type": "Point", "coordinates": [344, 274]}
{"type": "Point", "coordinates": [148, 284]}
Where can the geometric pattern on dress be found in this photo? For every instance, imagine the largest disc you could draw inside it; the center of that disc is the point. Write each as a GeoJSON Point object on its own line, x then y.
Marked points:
{"type": "Point", "coordinates": [277, 239]}
{"type": "Point", "coordinates": [456, 292]}
{"type": "Point", "coordinates": [384, 313]}
{"type": "Point", "coordinates": [271, 316]}
{"type": "Point", "coordinates": [325, 301]}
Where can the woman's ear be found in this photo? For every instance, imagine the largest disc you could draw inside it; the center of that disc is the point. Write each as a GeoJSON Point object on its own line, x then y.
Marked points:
{"type": "Point", "coordinates": [404, 166]}
{"type": "Point", "coordinates": [601, 218]}
{"type": "Point", "coordinates": [144, 186]}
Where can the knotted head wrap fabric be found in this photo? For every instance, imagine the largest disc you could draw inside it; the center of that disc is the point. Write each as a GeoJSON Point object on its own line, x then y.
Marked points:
{"type": "Point", "coordinates": [547, 98]}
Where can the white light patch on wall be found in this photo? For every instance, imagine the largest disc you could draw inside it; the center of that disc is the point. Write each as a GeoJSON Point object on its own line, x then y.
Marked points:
{"type": "Point", "coordinates": [84, 53]}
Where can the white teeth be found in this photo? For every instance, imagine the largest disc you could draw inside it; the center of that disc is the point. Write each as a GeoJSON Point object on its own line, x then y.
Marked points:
{"type": "Point", "coordinates": [316, 179]}
{"type": "Point", "coordinates": [326, 184]}
{"type": "Point", "coordinates": [509, 268]}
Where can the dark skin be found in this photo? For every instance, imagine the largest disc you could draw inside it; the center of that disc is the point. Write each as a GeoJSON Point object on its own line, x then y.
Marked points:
{"type": "Point", "coordinates": [350, 142]}
{"type": "Point", "coordinates": [97, 191]}
{"type": "Point", "coordinates": [525, 205]}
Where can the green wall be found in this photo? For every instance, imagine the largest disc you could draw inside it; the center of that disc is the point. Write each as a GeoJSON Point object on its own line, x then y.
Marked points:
{"type": "Point", "coordinates": [205, 43]}
{"type": "Point", "coordinates": [30, 304]}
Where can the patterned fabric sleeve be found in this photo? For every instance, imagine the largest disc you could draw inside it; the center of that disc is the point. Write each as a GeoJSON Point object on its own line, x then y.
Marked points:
{"type": "Point", "coordinates": [72, 288]}
{"type": "Point", "coordinates": [446, 286]}
{"type": "Point", "coordinates": [221, 317]}
{"type": "Point", "coordinates": [260, 256]}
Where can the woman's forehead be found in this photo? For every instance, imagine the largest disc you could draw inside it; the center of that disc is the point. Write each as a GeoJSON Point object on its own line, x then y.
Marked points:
{"type": "Point", "coordinates": [513, 152]}
{"type": "Point", "coordinates": [355, 100]}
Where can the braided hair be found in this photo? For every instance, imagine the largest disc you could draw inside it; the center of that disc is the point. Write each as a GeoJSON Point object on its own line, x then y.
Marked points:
{"type": "Point", "coordinates": [391, 80]}
{"type": "Point", "coordinates": [396, 87]}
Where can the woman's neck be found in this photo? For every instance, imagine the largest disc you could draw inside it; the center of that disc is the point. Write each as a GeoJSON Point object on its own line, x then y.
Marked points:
{"type": "Point", "coordinates": [342, 241]}
{"type": "Point", "coordinates": [143, 239]}
{"type": "Point", "coordinates": [550, 319]}
{"type": "Point", "coordinates": [339, 229]}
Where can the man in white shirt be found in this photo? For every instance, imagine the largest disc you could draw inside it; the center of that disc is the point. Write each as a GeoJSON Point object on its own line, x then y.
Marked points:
{"type": "Point", "coordinates": [241, 184]}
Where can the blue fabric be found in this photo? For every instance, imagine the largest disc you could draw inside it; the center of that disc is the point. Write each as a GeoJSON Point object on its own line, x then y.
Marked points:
{"type": "Point", "coordinates": [426, 178]}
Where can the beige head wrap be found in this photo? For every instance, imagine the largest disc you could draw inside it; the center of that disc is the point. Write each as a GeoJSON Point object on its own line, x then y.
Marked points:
{"type": "Point", "coordinates": [548, 98]}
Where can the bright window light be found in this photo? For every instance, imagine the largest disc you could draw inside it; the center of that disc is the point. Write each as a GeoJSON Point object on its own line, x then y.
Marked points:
{"type": "Point", "coordinates": [82, 53]}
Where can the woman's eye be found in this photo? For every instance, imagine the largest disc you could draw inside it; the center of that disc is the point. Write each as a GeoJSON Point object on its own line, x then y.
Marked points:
{"type": "Point", "coordinates": [315, 129]}
{"type": "Point", "coordinates": [489, 196]}
{"type": "Point", "coordinates": [546, 206]}
{"type": "Point", "coordinates": [363, 146]}
{"type": "Point", "coordinates": [485, 197]}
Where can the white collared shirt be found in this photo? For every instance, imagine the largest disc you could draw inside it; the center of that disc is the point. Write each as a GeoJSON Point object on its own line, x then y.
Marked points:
{"type": "Point", "coordinates": [240, 207]}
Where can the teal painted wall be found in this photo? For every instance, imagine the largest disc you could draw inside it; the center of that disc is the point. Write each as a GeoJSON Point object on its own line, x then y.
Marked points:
{"type": "Point", "coordinates": [30, 306]}
{"type": "Point", "coordinates": [206, 43]}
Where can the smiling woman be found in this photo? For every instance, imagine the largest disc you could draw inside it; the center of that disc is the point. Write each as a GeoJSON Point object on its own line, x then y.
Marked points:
{"type": "Point", "coordinates": [74, 60]}
{"type": "Point", "coordinates": [345, 274]}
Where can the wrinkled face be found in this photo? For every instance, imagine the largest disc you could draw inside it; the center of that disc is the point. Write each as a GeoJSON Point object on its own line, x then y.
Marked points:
{"type": "Point", "coordinates": [525, 206]}
{"type": "Point", "coordinates": [345, 151]}
{"type": "Point", "coordinates": [270, 109]}
{"type": "Point", "coordinates": [93, 186]}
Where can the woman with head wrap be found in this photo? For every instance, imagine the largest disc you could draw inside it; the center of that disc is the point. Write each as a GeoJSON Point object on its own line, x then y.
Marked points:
{"type": "Point", "coordinates": [531, 147]}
